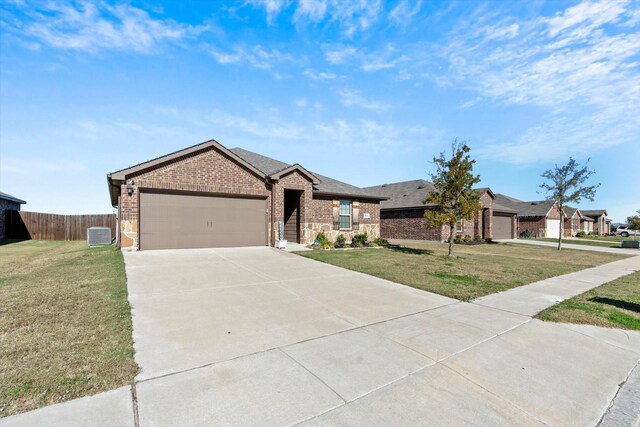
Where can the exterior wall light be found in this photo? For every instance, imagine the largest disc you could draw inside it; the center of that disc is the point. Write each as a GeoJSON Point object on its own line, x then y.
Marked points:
{"type": "Point", "coordinates": [130, 188]}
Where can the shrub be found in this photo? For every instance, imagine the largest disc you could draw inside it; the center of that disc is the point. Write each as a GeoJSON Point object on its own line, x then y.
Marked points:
{"type": "Point", "coordinates": [581, 234]}
{"type": "Point", "coordinates": [340, 241]}
{"type": "Point", "coordinates": [467, 238]}
{"type": "Point", "coordinates": [477, 238]}
{"type": "Point", "coordinates": [526, 234]}
{"type": "Point", "coordinates": [381, 242]}
{"type": "Point", "coordinates": [323, 241]}
{"type": "Point", "coordinates": [360, 240]}
{"type": "Point", "coordinates": [593, 233]}
{"type": "Point", "coordinates": [457, 239]}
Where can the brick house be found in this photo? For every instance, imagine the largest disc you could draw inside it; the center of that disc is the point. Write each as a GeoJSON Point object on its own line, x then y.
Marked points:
{"type": "Point", "coordinates": [541, 218]}
{"type": "Point", "coordinates": [210, 196]}
{"type": "Point", "coordinates": [402, 214]}
{"type": "Point", "coordinates": [572, 221]}
{"type": "Point", "coordinates": [600, 223]}
{"type": "Point", "coordinates": [7, 203]}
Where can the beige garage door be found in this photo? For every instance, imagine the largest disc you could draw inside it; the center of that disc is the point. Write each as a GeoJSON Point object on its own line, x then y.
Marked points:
{"type": "Point", "coordinates": [177, 221]}
{"type": "Point", "coordinates": [502, 226]}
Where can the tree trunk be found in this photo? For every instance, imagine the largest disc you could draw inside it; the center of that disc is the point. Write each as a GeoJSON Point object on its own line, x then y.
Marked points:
{"type": "Point", "coordinates": [561, 230]}
{"type": "Point", "coordinates": [451, 233]}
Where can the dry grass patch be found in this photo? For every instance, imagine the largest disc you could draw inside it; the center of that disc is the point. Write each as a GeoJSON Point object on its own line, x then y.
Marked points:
{"type": "Point", "coordinates": [614, 305]}
{"type": "Point", "coordinates": [473, 272]}
{"type": "Point", "coordinates": [65, 323]}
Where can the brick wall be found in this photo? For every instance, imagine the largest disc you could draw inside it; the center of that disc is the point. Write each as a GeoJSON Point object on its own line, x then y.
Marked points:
{"type": "Point", "coordinates": [536, 225]}
{"type": "Point", "coordinates": [321, 219]}
{"type": "Point", "coordinates": [292, 181]}
{"type": "Point", "coordinates": [4, 206]}
{"type": "Point", "coordinates": [408, 224]}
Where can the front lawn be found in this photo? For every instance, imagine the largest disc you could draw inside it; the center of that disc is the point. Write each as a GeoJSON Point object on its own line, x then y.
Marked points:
{"type": "Point", "coordinates": [65, 323]}
{"type": "Point", "coordinates": [473, 272]}
{"type": "Point", "coordinates": [600, 243]}
{"type": "Point", "coordinates": [615, 304]}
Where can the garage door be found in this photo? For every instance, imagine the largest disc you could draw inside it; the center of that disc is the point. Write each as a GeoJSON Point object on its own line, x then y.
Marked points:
{"type": "Point", "coordinates": [553, 228]}
{"type": "Point", "coordinates": [177, 221]}
{"type": "Point", "coordinates": [502, 226]}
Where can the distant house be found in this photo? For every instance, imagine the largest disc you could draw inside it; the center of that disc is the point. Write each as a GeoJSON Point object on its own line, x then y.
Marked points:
{"type": "Point", "coordinates": [7, 203]}
{"type": "Point", "coordinates": [572, 221]}
{"type": "Point", "coordinates": [600, 223]}
{"type": "Point", "coordinates": [586, 224]}
{"type": "Point", "coordinates": [402, 214]}
{"type": "Point", "coordinates": [540, 218]}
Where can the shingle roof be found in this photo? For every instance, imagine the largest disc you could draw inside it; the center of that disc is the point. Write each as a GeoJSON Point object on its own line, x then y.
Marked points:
{"type": "Point", "coordinates": [594, 212]}
{"type": "Point", "coordinates": [6, 196]}
{"type": "Point", "coordinates": [569, 211]}
{"type": "Point", "coordinates": [407, 194]}
{"type": "Point", "coordinates": [326, 185]}
{"type": "Point", "coordinates": [532, 209]}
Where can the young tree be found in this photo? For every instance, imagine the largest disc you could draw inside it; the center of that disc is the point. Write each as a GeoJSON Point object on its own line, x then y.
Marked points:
{"type": "Point", "coordinates": [565, 184]}
{"type": "Point", "coordinates": [453, 195]}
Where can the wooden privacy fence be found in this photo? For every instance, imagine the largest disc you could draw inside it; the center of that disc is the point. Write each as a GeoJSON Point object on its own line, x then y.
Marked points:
{"type": "Point", "coordinates": [45, 226]}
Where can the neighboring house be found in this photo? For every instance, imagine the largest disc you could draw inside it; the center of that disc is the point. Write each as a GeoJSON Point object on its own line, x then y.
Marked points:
{"type": "Point", "coordinates": [572, 221]}
{"type": "Point", "coordinates": [402, 214]}
{"type": "Point", "coordinates": [600, 223]}
{"type": "Point", "coordinates": [586, 224]}
{"type": "Point", "coordinates": [210, 196]}
{"type": "Point", "coordinates": [7, 203]}
{"type": "Point", "coordinates": [541, 218]}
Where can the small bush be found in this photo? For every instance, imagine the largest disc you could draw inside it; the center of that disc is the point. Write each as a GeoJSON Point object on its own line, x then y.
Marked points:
{"type": "Point", "coordinates": [457, 239]}
{"type": "Point", "coordinates": [323, 241]}
{"type": "Point", "coordinates": [593, 233]}
{"type": "Point", "coordinates": [360, 240]}
{"type": "Point", "coordinates": [381, 242]}
{"type": "Point", "coordinates": [526, 234]}
{"type": "Point", "coordinates": [477, 238]}
{"type": "Point", "coordinates": [340, 241]}
{"type": "Point", "coordinates": [581, 234]}
{"type": "Point", "coordinates": [467, 238]}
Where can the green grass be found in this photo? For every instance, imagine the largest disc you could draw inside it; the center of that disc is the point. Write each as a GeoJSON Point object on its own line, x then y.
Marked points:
{"type": "Point", "coordinates": [473, 272]}
{"type": "Point", "coordinates": [600, 243]}
{"type": "Point", "coordinates": [615, 304]}
{"type": "Point", "coordinates": [65, 323]}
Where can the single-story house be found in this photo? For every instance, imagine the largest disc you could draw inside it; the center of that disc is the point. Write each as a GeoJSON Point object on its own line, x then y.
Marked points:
{"type": "Point", "coordinates": [599, 216]}
{"type": "Point", "coordinates": [572, 221]}
{"type": "Point", "coordinates": [7, 203]}
{"type": "Point", "coordinates": [210, 196]}
{"type": "Point", "coordinates": [586, 224]}
{"type": "Point", "coordinates": [541, 218]}
{"type": "Point", "coordinates": [402, 214]}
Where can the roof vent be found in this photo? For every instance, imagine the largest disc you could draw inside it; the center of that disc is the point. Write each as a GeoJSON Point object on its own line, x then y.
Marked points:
{"type": "Point", "coordinates": [383, 185]}
{"type": "Point", "coordinates": [420, 187]}
{"type": "Point", "coordinates": [533, 203]}
{"type": "Point", "coordinates": [404, 195]}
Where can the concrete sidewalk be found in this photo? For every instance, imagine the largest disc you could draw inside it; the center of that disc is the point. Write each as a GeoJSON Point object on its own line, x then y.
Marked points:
{"type": "Point", "coordinates": [623, 251]}
{"type": "Point", "coordinates": [261, 336]}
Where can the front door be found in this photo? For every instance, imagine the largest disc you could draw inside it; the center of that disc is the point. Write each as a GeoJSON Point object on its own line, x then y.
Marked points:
{"type": "Point", "coordinates": [292, 216]}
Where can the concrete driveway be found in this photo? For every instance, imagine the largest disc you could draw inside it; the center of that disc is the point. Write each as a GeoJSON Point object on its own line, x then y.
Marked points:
{"type": "Point", "coordinates": [259, 336]}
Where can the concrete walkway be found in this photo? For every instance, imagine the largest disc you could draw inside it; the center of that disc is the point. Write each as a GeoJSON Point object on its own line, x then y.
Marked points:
{"type": "Point", "coordinates": [624, 251]}
{"type": "Point", "coordinates": [260, 336]}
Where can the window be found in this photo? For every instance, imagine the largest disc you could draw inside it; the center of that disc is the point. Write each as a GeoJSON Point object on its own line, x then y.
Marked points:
{"type": "Point", "coordinates": [345, 215]}
{"type": "Point", "coordinates": [460, 227]}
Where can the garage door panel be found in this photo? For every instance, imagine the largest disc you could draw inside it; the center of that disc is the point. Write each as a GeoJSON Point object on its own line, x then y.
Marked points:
{"type": "Point", "coordinates": [502, 227]}
{"type": "Point", "coordinates": [177, 221]}
{"type": "Point", "coordinates": [553, 228]}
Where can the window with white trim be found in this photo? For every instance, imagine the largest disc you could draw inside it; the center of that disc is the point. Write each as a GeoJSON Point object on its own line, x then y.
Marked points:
{"type": "Point", "coordinates": [460, 227]}
{"type": "Point", "coordinates": [345, 215]}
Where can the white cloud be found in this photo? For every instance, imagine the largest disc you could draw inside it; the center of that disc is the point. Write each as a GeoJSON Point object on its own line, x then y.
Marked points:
{"type": "Point", "coordinates": [92, 27]}
{"type": "Point", "coordinates": [580, 66]}
{"type": "Point", "coordinates": [404, 12]}
{"type": "Point", "coordinates": [255, 56]}
{"type": "Point", "coordinates": [314, 75]}
{"type": "Point", "coordinates": [272, 7]}
{"type": "Point", "coordinates": [339, 54]}
{"type": "Point", "coordinates": [353, 98]}
{"type": "Point", "coordinates": [315, 10]}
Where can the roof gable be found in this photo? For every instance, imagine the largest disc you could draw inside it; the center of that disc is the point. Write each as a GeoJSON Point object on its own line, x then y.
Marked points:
{"type": "Point", "coordinates": [10, 198]}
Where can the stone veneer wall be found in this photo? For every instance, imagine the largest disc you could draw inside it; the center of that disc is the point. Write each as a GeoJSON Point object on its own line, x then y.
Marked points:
{"type": "Point", "coordinates": [6, 205]}
{"type": "Point", "coordinates": [206, 171]}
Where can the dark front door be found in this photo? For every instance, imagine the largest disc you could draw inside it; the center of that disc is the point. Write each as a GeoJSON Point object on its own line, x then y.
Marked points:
{"type": "Point", "coordinates": [292, 216]}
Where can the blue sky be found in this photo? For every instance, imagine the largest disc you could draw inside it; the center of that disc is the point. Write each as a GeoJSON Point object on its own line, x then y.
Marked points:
{"type": "Point", "coordinates": [363, 91]}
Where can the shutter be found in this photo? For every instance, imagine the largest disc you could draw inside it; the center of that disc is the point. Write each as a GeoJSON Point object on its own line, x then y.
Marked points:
{"type": "Point", "coordinates": [355, 215]}
{"type": "Point", "coordinates": [336, 214]}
